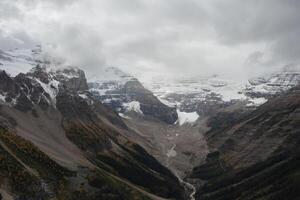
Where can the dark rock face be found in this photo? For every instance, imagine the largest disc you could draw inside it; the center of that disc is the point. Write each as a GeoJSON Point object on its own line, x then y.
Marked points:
{"type": "Point", "coordinates": [26, 90]}
{"type": "Point", "coordinates": [40, 73]}
{"type": "Point", "coordinates": [23, 92]}
{"type": "Point", "coordinates": [32, 92]}
{"type": "Point", "coordinates": [7, 85]}
{"type": "Point", "coordinates": [72, 78]}
{"type": "Point", "coordinates": [257, 155]}
{"type": "Point", "coordinates": [150, 105]}
{"type": "Point", "coordinates": [133, 90]}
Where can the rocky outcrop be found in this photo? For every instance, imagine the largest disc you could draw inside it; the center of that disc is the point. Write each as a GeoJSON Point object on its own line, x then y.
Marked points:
{"type": "Point", "coordinates": [40, 72]}
{"type": "Point", "coordinates": [23, 92]}
{"type": "Point", "coordinates": [72, 78]}
{"type": "Point", "coordinates": [8, 86]}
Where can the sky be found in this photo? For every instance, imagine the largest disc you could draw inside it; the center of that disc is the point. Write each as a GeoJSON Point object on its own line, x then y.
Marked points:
{"type": "Point", "coordinates": [232, 38]}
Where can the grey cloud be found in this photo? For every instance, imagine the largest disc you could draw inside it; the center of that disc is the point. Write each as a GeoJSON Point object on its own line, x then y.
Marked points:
{"type": "Point", "coordinates": [171, 35]}
{"type": "Point", "coordinates": [247, 21]}
{"type": "Point", "coordinates": [56, 3]}
{"type": "Point", "coordinates": [77, 45]}
{"type": "Point", "coordinates": [18, 39]}
{"type": "Point", "coordinates": [273, 22]}
{"type": "Point", "coordinates": [9, 10]}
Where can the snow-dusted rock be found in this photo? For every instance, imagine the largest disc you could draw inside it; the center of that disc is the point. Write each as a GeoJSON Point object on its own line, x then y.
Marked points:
{"type": "Point", "coordinates": [133, 106]}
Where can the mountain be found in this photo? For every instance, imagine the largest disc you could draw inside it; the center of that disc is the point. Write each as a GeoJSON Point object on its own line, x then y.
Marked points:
{"type": "Point", "coordinates": [67, 136]}
{"type": "Point", "coordinates": [255, 156]}
{"type": "Point", "coordinates": [124, 93]}
{"type": "Point", "coordinates": [208, 94]}
{"type": "Point", "coordinates": [269, 85]}
{"type": "Point", "coordinates": [59, 141]}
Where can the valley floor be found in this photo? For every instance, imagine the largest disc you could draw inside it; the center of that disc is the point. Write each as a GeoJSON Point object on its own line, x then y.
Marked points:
{"type": "Point", "coordinates": [179, 147]}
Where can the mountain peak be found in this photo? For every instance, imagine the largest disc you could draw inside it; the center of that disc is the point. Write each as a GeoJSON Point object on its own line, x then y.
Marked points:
{"type": "Point", "coordinates": [269, 85]}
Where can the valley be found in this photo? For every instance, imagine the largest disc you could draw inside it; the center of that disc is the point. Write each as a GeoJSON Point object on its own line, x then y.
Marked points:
{"type": "Point", "coordinates": [113, 136]}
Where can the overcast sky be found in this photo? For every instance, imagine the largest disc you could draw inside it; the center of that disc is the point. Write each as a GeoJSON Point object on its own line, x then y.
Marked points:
{"type": "Point", "coordinates": [236, 38]}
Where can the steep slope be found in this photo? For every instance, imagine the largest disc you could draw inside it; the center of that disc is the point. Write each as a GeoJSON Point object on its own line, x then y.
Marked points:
{"type": "Point", "coordinates": [255, 156]}
{"type": "Point", "coordinates": [52, 113]}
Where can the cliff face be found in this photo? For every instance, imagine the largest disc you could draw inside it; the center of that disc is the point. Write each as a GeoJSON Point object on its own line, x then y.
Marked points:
{"type": "Point", "coordinates": [149, 104]}
{"type": "Point", "coordinates": [256, 156]}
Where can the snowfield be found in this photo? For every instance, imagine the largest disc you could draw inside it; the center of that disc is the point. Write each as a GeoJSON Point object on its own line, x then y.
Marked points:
{"type": "Point", "coordinates": [133, 106]}
{"type": "Point", "coordinates": [257, 101]}
{"type": "Point", "coordinates": [184, 117]}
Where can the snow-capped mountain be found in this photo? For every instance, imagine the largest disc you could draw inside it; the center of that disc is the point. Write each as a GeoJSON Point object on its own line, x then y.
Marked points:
{"type": "Point", "coordinates": [119, 90]}
{"type": "Point", "coordinates": [58, 111]}
{"type": "Point", "coordinates": [198, 88]}
{"type": "Point", "coordinates": [28, 79]}
{"type": "Point", "coordinates": [110, 80]}
{"type": "Point", "coordinates": [124, 93]}
{"type": "Point", "coordinates": [208, 93]}
{"type": "Point", "coordinates": [271, 84]}
{"type": "Point", "coordinates": [205, 95]}
{"type": "Point", "coordinates": [53, 130]}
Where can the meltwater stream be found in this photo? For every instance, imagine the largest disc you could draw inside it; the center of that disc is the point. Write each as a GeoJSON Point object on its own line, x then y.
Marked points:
{"type": "Point", "coordinates": [189, 187]}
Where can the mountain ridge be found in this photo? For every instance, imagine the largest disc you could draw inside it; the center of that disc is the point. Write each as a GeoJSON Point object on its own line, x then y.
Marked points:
{"type": "Point", "coordinates": [89, 129]}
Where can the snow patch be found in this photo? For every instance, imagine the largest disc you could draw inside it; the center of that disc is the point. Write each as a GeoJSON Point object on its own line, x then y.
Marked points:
{"type": "Point", "coordinates": [2, 98]}
{"type": "Point", "coordinates": [257, 101]}
{"type": "Point", "coordinates": [124, 116]}
{"type": "Point", "coordinates": [184, 117]}
{"type": "Point", "coordinates": [69, 75]}
{"type": "Point", "coordinates": [86, 98]}
{"type": "Point", "coordinates": [133, 106]}
{"type": "Point", "coordinates": [83, 96]}
{"type": "Point", "coordinates": [51, 88]}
